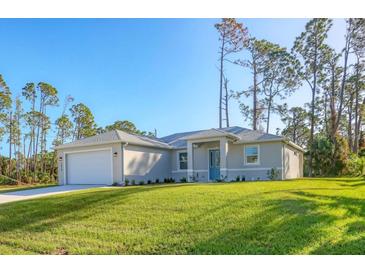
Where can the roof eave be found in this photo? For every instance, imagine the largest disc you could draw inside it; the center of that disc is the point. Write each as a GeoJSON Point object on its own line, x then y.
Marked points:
{"type": "Point", "coordinates": [259, 141]}
{"type": "Point", "coordinates": [111, 142]}
{"type": "Point", "coordinates": [294, 145]}
{"type": "Point", "coordinates": [86, 144]}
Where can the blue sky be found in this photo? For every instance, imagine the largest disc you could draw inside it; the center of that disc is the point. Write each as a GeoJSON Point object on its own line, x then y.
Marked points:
{"type": "Point", "coordinates": [157, 73]}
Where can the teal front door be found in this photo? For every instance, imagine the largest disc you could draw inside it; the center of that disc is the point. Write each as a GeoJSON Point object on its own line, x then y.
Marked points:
{"type": "Point", "coordinates": [214, 165]}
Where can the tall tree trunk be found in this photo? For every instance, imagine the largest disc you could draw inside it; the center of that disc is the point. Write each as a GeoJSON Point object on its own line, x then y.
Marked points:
{"type": "Point", "coordinates": [344, 76]}
{"type": "Point", "coordinates": [32, 139]}
{"type": "Point", "coordinates": [357, 127]}
{"type": "Point", "coordinates": [39, 124]}
{"type": "Point", "coordinates": [311, 133]}
{"type": "Point", "coordinates": [29, 161]}
{"type": "Point", "coordinates": [10, 141]}
{"type": "Point", "coordinates": [294, 128]}
{"type": "Point", "coordinates": [349, 126]}
{"type": "Point", "coordinates": [226, 101]}
{"type": "Point", "coordinates": [25, 156]}
{"type": "Point", "coordinates": [314, 89]}
{"type": "Point", "coordinates": [359, 122]}
{"type": "Point", "coordinates": [326, 114]}
{"type": "Point", "coordinates": [254, 105]}
{"type": "Point", "coordinates": [333, 105]}
{"type": "Point", "coordinates": [268, 115]}
{"type": "Point", "coordinates": [221, 83]}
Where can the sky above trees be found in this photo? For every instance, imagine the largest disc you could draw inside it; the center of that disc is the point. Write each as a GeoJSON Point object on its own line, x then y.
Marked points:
{"type": "Point", "coordinates": [159, 74]}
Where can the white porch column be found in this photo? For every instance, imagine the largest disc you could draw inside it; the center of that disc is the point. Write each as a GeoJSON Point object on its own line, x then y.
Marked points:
{"type": "Point", "coordinates": [190, 170]}
{"type": "Point", "coordinates": [223, 144]}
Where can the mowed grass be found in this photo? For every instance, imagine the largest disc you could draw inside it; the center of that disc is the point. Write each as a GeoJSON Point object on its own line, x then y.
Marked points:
{"type": "Point", "coordinates": [309, 216]}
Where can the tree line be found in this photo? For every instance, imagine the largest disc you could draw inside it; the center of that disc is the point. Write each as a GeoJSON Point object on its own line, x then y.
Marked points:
{"type": "Point", "coordinates": [26, 127]}
{"type": "Point", "coordinates": [330, 125]}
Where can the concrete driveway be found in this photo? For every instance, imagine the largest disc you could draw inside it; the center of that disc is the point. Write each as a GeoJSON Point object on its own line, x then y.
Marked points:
{"type": "Point", "coordinates": [13, 196]}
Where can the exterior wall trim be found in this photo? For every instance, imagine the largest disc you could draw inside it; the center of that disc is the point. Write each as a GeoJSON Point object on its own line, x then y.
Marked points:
{"type": "Point", "coordinates": [253, 168]}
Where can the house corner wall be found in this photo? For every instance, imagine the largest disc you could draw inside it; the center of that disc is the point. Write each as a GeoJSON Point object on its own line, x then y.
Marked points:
{"type": "Point", "coordinates": [145, 164]}
{"type": "Point", "coordinates": [293, 162]}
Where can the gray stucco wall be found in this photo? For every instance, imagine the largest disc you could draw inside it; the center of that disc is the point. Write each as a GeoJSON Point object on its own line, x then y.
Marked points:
{"type": "Point", "coordinates": [175, 172]}
{"type": "Point", "coordinates": [270, 157]}
{"type": "Point", "coordinates": [117, 160]}
{"type": "Point", "coordinates": [293, 163]}
{"type": "Point", "coordinates": [200, 162]}
{"type": "Point", "coordinates": [145, 163]}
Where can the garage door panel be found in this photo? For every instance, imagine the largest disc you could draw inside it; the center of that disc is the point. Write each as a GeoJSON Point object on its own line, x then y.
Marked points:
{"type": "Point", "coordinates": [91, 167]}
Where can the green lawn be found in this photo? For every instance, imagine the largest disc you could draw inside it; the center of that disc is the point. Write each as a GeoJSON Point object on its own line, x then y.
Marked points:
{"type": "Point", "coordinates": [9, 188]}
{"type": "Point", "coordinates": [311, 216]}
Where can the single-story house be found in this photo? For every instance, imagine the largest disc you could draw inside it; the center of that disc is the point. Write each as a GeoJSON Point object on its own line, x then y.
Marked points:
{"type": "Point", "coordinates": [204, 155]}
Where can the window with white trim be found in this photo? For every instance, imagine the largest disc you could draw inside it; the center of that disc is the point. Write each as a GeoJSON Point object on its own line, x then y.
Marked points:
{"type": "Point", "coordinates": [252, 156]}
{"type": "Point", "coordinates": [183, 160]}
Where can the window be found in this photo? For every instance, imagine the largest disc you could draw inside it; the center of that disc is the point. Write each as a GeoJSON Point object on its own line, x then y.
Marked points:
{"type": "Point", "coordinates": [183, 160]}
{"type": "Point", "coordinates": [252, 155]}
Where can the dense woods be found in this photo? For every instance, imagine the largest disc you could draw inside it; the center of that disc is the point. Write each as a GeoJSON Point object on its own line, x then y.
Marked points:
{"type": "Point", "coordinates": [331, 125]}
{"type": "Point", "coordinates": [27, 131]}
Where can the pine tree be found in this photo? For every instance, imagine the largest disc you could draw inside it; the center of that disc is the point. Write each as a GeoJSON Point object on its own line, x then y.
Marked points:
{"type": "Point", "coordinates": [232, 36]}
{"type": "Point", "coordinates": [309, 48]}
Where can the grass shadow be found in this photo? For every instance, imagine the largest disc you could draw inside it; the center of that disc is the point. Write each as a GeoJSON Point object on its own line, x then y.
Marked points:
{"type": "Point", "coordinates": [295, 225]}
{"type": "Point", "coordinates": [45, 213]}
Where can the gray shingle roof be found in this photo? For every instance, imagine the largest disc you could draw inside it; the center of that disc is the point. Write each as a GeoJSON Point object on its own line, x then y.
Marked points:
{"type": "Point", "coordinates": [244, 135]}
{"type": "Point", "coordinates": [174, 141]}
{"type": "Point", "coordinates": [116, 136]}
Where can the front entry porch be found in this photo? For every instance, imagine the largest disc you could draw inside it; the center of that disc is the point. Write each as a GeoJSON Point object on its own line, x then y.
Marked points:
{"type": "Point", "coordinates": [207, 159]}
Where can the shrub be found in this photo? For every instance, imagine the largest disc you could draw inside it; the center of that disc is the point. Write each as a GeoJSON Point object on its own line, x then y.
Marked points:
{"type": "Point", "coordinates": [133, 182]}
{"type": "Point", "coordinates": [355, 166]}
{"type": "Point", "coordinates": [115, 184]}
{"type": "Point", "coordinates": [222, 179]}
{"type": "Point", "coordinates": [273, 174]}
{"type": "Point", "coordinates": [43, 178]}
{"type": "Point", "coordinates": [157, 181]}
{"type": "Point", "coordinates": [238, 178]}
{"type": "Point", "coordinates": [141, 182]}
{"type": "Point", "coordinates": [149, 182]}
{"type": "Point", "coordinates": [183, 180]}
{"type": "Point", "coordinates": [126, 181]}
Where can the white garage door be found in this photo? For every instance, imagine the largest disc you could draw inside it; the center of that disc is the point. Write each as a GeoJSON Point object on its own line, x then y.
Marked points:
{"type": "Point", "coordinates": [89, 168]}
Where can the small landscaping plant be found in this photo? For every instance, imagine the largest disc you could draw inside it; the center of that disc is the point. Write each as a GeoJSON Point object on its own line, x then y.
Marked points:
{"type": "Point", "coordinates": [273, 174]}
